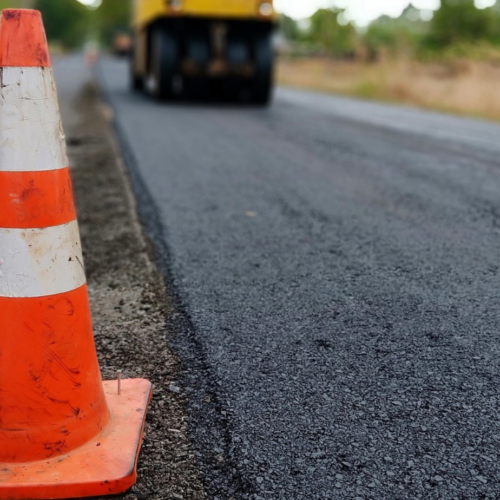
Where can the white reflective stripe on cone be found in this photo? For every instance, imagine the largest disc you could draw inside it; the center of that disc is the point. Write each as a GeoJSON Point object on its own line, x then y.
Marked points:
{"type": "Point", "coordinates": [31, 134]}
{"type": "Point", "coordinates": [40, 262]}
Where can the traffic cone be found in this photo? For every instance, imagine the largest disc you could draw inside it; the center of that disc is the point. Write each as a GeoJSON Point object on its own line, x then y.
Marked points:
{"type": "Point", "coordinates": [63, 432]}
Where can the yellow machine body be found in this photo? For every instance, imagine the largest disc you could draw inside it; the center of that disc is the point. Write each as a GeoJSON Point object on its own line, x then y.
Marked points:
{"type": "Point", "coordinates": [147, 11]}
{"type": "Point", "coordinates": [210, 46]}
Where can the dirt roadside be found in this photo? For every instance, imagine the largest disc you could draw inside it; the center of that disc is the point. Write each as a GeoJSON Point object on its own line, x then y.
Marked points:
{"type": "Point", "coordinates": [467, 88]}
{"type": "Point", "coordinates": [130, 304]}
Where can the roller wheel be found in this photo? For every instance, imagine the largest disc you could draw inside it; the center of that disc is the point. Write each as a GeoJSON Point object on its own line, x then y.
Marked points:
{"type": "Point", "coordinates": [264, 62]}
{"type": "Point", "coordinates": [164, 64]}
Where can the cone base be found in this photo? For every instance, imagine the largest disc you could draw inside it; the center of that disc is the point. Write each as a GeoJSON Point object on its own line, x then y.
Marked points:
{"type": "Point", "coordinates": [104, 466]}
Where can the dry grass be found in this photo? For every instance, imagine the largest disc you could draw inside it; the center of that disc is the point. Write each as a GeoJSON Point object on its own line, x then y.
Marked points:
{"type": "Point", "coordinates": [469, 88]}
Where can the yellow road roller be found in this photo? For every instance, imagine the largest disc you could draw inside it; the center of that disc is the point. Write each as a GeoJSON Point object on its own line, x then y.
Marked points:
{"type": "Point", "coordinates": [188, 47]}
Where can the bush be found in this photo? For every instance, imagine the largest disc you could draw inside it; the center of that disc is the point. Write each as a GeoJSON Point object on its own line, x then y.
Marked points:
{"type": "Point", "coordinates": [332, 37]}
{"type": "Point", "coordinates": [459, 22]}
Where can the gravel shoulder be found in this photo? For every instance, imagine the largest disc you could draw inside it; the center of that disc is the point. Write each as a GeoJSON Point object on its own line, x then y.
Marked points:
{"type": "Point", "coordinates": [130, 303]}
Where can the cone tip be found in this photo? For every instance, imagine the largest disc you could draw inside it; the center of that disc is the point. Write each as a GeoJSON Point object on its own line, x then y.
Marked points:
{"type": "Point", "coordinates": [22, 39]}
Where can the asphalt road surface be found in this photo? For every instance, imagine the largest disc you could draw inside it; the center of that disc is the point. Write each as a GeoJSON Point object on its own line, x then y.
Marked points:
{"type": "Point", "coordinates": [336, 266]}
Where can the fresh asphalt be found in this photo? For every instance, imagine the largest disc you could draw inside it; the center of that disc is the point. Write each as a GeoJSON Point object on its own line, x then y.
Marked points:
{"type": "Point", "coordinates": [336, 270]}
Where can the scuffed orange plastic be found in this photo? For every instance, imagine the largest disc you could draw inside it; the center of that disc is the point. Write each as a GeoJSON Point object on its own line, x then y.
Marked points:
{"type": "Point", "coordinates": [50, 385]}
{"type": "Point", "coordinates": [36, 199]}
{"type": "Point", "coordinates": [105, 465]}
{"type": "Point", "coordinates": [22, 39]}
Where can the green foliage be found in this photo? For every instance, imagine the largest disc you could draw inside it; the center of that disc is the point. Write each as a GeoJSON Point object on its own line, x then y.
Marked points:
{"type": "Point", "coordinates": [71, 24]}
{"type": "Point", "coordinates": [395, 35]}
{"type": "Point", "coordinates": [330, 35]}
{"type": "Point", "coordinates": [113, 17]}
{"type": "Point", "coordinates": [459, 21]}
{"type": "Point", "coordinates": [16, 4]}
{"type": "Point", "coordinates": [66, 21]}
{"type": "Point", "coordinates": [458, 30]}
{"type": "Point", "coordinates": [289, 28]}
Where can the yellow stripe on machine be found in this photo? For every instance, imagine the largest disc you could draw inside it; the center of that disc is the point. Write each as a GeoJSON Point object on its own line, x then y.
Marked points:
{"type": "Point", "coordinates": [148, 10]}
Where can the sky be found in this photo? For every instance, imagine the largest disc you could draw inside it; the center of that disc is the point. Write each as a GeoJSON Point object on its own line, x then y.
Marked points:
{"type": "Point", "coordinates": [362, 12]}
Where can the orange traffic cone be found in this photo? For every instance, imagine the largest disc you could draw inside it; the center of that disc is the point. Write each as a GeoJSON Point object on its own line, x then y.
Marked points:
{"type": "Point", "coordinates": [63, 433]}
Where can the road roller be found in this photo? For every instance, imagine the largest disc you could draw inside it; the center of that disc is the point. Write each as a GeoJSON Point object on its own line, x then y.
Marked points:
{"type": "Point", "coordinates": [204, 47]}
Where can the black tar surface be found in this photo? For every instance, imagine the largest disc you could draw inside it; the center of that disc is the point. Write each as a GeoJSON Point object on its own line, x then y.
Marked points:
{"type": "Point", "coordinates": [337, 268]}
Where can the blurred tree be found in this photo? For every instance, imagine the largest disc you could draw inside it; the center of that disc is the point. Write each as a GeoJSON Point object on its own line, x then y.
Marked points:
{"type": "Point", "coordinates": [459, 21]}
{"type": "Point", "coordinates": [333, 37]}
{"type": "Point", "coordinates": [395, 35]}
{"type": "Point", "coordinates": [495, 13]}
{"type": "Point", "coordinates": [66, 21]}
{"type": "Point", "coordinates": [289, 28]}
{"type": "Point", "coordinates": [113, 17]}
{"type": "Point", "coordinates": [16, 4]}
{"type": "Point", "coordinates": [71, 23]}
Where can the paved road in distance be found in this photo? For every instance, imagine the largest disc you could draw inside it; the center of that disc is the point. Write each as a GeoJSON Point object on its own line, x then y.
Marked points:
{"type": "Point", "coordinates": [338, 267]}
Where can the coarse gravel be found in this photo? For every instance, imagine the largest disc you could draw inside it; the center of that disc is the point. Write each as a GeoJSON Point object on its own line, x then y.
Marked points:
{"type": "Point", "coordinates": [130, 304]}
{"type": "Point", "coordinates": [335, 265]}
